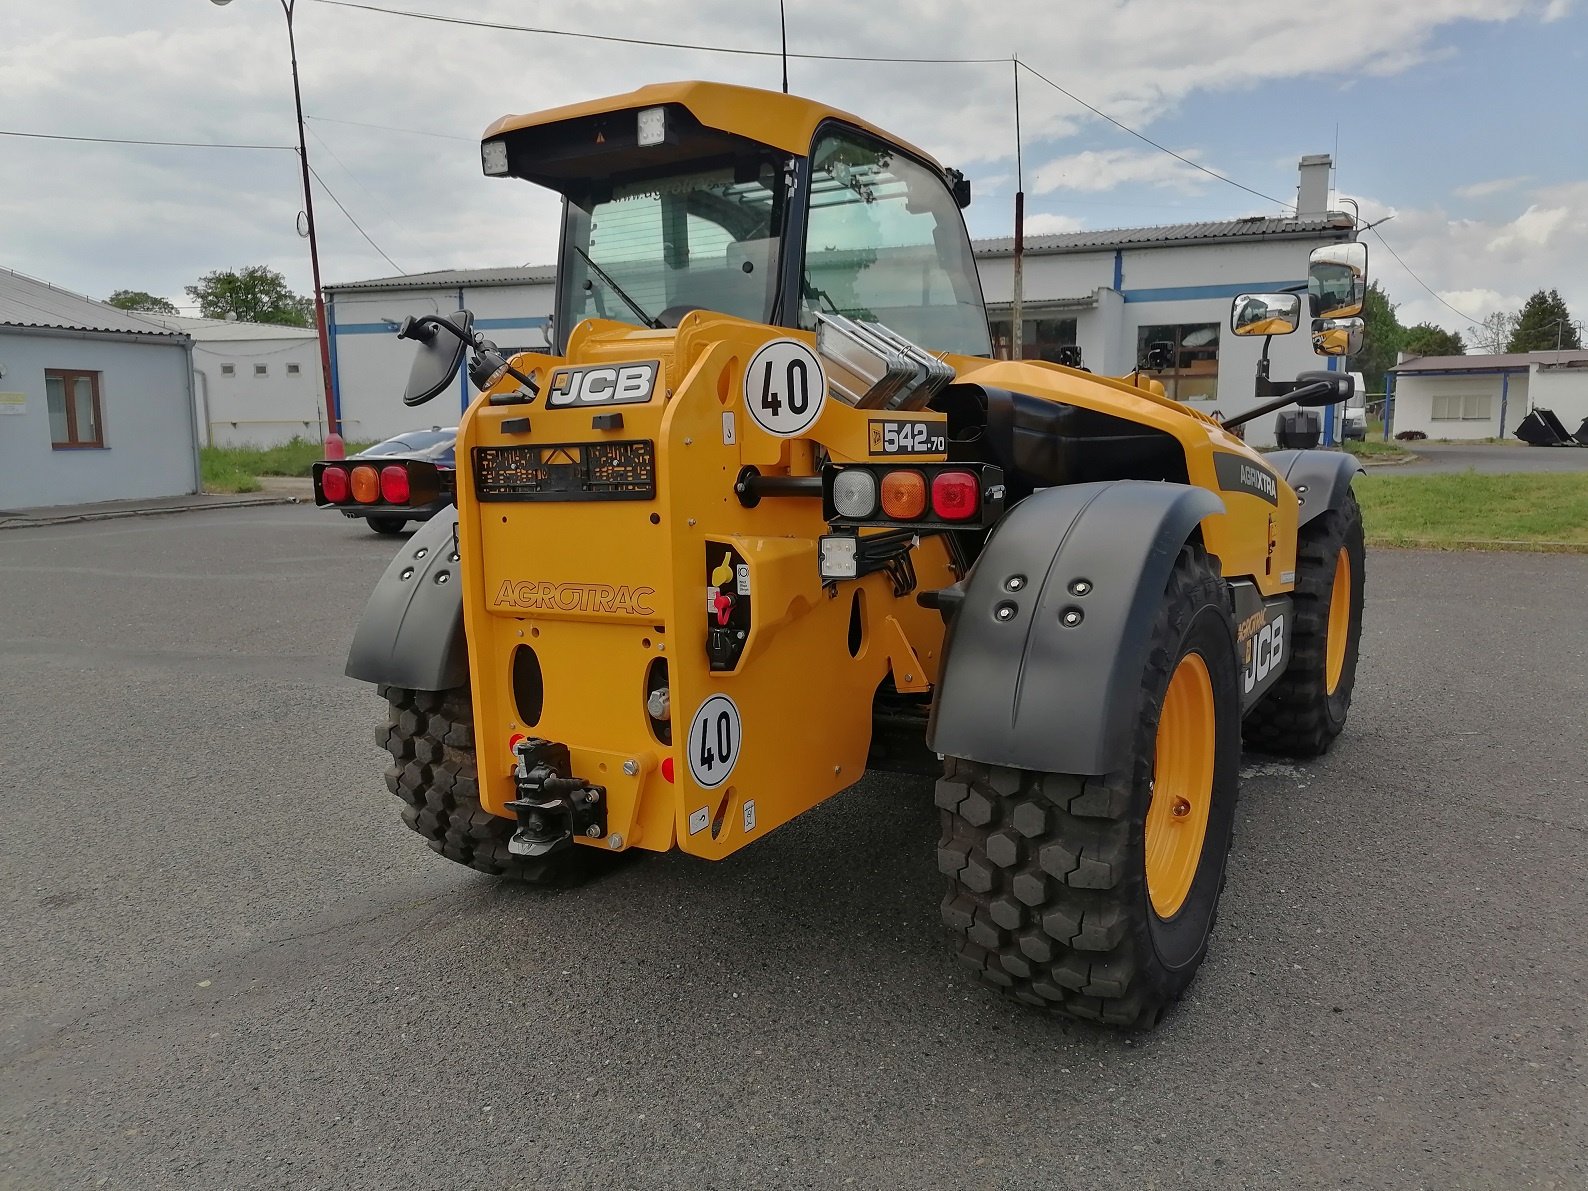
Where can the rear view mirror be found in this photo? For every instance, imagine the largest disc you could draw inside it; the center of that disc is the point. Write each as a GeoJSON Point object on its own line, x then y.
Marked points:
{"type": "Point", "coordinates": [440, 354]}
{"type": "Point", "coordinates": [1265, 314]}
{"type": "Point", "coordinates": [1337, 280]}
{"type": "Point", "coordinates": [1337, 336]}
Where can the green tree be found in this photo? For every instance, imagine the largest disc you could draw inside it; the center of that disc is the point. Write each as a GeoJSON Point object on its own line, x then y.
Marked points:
{"type": "Point", "coordinates": [1426, 339]}
{"type": "Point", "coordinates": [254, 295]}
{"type": "Point", "coordinates": [136, 299]}
{"type": "Point", "coordinates": [1544, 325]}
{"type": "Point", "coordinates": [1382, 338]}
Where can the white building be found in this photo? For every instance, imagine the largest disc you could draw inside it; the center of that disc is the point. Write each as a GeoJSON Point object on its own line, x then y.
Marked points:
{"type": "Point", "coordinates": [96, 404]}
{"type": "Point", "coordinates": [1112, 292]}
{"type": "Point", "coordinates": [1486, 396]}
{"type": "Point", "coordinates": [255, 384]}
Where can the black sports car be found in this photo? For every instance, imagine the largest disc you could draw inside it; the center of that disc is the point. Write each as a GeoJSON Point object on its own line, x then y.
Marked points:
{"type": "Point", "coordinates": [410, 477]}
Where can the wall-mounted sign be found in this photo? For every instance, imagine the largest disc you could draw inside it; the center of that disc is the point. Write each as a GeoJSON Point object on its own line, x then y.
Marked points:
{"type": "Point", "coordinates": [13, 403]}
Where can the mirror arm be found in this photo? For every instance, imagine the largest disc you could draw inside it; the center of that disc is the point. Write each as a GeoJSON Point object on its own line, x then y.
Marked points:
{"type": "Point", "coordinates": [1293, 393]}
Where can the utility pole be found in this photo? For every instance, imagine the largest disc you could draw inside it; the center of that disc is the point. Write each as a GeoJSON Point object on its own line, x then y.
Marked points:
{"type": "Point", "coordinates": [1017, 323]}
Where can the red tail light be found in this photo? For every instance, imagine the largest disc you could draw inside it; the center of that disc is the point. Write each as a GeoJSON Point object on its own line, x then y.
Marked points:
{"type": "Point", "coordinates": [394, 484]}
{"type": "Point", "coordinates": [365, 482]}
{"type": "Point", "coordinates": [333, 485]}
{"type": "Point", "coordinates": [956, 495]}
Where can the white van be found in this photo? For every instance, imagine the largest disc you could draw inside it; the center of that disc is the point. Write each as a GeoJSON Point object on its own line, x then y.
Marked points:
{"type": "Point", "coordinates": [1353, 418]}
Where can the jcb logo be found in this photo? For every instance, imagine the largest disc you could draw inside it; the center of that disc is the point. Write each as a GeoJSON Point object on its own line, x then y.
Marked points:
{"type": "Point", "coordinates": [1265, 652]}
{"type": "Point", "coordinates": [606, 384]}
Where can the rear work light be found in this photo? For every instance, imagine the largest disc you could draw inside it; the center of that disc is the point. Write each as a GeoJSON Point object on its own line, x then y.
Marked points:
{"type": "Point", "coordinates": [394, 484]}
{"type": "Point", "coordinates": [365, 482]}
{"type": "Point", "coordinates": [924, 496]}
{"type": "Point", "coordinates": [333, 485]}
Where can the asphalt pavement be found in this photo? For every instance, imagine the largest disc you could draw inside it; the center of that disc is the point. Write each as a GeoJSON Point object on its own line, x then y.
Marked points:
{"type": "Point", "coordinates": [1440, 458]}
{"type": "Point", "coordinates": [228, 964]}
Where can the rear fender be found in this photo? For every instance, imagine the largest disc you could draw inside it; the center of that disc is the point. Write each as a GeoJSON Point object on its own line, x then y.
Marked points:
{"type": "Point", "coordinates": [1321, 478]}
{"type": "Point", "coordinates": [411, 633]}
{"type": "Point", "coordinates": [1028, 691]}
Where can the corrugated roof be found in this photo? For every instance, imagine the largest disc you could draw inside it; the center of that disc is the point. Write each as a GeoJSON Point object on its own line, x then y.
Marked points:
{"type": "Point", "coordinates": [205, 330]}
{"type": "Point", "coordinates": [1512, 362]}
{"type": "Point", "coordinates": [1254, 228]}
{"type": "Point", "coordinates": [442, 278]}
{"type": "Point", "coordinates": [28, 302]}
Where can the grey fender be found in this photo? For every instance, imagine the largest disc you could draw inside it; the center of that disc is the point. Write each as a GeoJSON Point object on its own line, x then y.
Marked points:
{"type": "Point", "coordinates": [1030, 692]}
{"type": "Point", "coordinates": [1321, 478]}
{"type": "Point", "coordinates": [411, 633]}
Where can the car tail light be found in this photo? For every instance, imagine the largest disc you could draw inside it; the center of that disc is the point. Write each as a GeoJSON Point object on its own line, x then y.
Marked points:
{"type": "Point", "coordinates": [394, 484]}
{"type": "Point", "coordinates": [365, 482]}
{"type": "Point", "coordinates": [956, 495]}
{"type": "Point", "coordinates": [855, 493]}
{"type": "Point", "coordinates": [333, 485]}
{"type": "Point", "coordinates": [904, 495]}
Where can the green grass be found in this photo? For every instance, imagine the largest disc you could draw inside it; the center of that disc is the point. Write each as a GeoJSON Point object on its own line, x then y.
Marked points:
{"type": "Point", "coordinates": [232, 469]}
{"type": "Point", "coordinates": [1536, 511]}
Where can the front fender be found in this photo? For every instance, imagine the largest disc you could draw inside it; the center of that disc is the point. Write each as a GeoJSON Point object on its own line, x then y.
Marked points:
{"type": "Point", "coordinates": [1321, 478]}
{"type": "Point", "coordinates": [411, 633]}
{"type": "Point", "coordinates": [1030, 692]}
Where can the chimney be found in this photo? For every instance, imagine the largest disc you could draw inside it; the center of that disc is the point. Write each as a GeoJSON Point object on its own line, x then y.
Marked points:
{"type": "Point", "coordinates": [1312, 192]}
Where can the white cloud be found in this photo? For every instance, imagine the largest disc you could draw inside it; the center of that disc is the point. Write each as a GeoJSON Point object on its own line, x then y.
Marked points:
{"type": "Point", "coordinates": [1047, 224]}
{"type": "Point", "coordinates": [1094, 171]}
{"type": "Point", "coordinates": [1532, 228]}
{"type": "Point", "coordinates": [1493, 186]}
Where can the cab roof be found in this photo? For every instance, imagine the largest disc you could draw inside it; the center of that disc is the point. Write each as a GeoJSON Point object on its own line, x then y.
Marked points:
{"type": "Point", "coordinates": [786, 122]}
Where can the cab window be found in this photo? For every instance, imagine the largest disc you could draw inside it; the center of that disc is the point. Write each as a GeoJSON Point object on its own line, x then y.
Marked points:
{"type": "Point", "coordinates": [884, 242]}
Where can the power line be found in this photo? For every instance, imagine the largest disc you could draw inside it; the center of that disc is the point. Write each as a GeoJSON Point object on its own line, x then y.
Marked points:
{"type": "Point", "coordinates": [1474, 322]}
{"type": "Point", "coordinates": [320, 140]}
{"type": "Point", "coordinates": [113, 140]}
{"type": "Point", "coordinates": [445, 136]}
{"type": "Point", "coordinates": [354, 222]}
{"type": "Point", "coordinates": [667, 45]}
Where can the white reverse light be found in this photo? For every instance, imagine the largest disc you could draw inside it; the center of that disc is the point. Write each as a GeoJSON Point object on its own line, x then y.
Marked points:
{"type": "Point", "coordinates": [837, 557]}
{"type": "Point", "coordinates": [652, 126]}
{"type": "Point", "coordinates": [854, 493]}
{"type": "Point", "coordinates": [493, 156]}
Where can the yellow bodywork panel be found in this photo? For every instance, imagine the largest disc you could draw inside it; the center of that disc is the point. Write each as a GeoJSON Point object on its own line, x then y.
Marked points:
{"type": "Point", "coordinates": [603, 590]}
{"type": "Point", "coordinates": [786, 122]}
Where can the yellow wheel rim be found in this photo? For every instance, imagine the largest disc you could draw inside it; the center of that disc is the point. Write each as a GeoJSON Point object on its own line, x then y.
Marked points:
{"type": "Point", "coordinates": [1339, 622]}
{"type": "Point", "coordinates": [1182, 788]}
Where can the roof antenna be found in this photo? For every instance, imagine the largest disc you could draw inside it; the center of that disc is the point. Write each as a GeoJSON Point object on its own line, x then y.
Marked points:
{"type": "Point", "coordinates": [782, 20]}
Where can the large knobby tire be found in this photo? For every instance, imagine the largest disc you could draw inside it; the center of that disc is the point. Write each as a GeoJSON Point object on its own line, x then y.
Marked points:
{"type": "Point", "coordinates": [430, 735]}
{"type": "Point", "coordinates": [1307, 708]}
{"type": "Point", "coordinates": [1095, 896]}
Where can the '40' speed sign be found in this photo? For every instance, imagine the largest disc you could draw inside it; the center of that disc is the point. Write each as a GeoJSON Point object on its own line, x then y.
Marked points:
{"type": "Point", "coordinates": [784, 387]}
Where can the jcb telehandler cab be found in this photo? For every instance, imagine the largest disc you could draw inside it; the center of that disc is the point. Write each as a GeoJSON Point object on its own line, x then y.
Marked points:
{"type": "Point", "coordinates": [766, 514]}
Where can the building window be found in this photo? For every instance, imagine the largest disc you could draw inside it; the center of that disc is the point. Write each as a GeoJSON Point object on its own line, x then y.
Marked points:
{"type": "Point", "coordinates": [228, 369]}
{"type": "Point", "coordinates": [1192, 350]}
{"type": "Point", "coordinates": [1043, 338]}
{"type": "Point", "coordinates": [1462, 407]}
{"type": "Point", "coordinates": [292, 370]}
{"type": "Point", "coordinates": [261, 369]}
{"type": "Point", "coordinates": [73, 401]}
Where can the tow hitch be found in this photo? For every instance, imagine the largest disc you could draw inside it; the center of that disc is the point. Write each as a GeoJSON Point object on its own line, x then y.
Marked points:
{"type": "Point", "coordinates": [552, 805]}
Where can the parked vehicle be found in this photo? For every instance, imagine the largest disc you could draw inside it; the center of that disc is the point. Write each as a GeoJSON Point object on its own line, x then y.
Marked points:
{"type": "Point", "coordinates": [409, 477]}
{"type": "Point", "coordinates": [767, 514]}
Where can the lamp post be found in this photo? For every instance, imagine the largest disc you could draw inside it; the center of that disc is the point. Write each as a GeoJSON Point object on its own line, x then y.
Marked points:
{"type": "Point", "coordinates": [332, 422]}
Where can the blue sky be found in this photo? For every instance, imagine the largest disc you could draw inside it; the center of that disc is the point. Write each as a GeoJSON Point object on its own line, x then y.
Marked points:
{"type": "Point", "coordinates": [1464, 118]}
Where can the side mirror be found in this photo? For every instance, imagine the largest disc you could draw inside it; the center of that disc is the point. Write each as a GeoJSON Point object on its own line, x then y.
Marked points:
{"type": "Point", "coordinates": [1337, 336]}
{"type": "Point", "coordinates": [1265, 314]}
{"type": "Point", "coordinates": [1335, 388]}
{"type": "Point", "coordinates": [959, 186]}
{"type": "Point", "coordinates": [1337, 280]}
{"type": "Point", "coordinates": [439, 356]}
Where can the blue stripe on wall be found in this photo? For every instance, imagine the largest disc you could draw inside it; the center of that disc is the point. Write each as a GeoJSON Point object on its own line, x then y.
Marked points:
{"type": "Point", "coordinates": [483, 324]}
{"type": "Point", "coordinates": [1184, 293]}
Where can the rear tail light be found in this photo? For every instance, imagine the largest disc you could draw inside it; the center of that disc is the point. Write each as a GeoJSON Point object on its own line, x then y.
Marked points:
{"type": "Point", "coordinates": [903, 495]}
{"type": "Point", "coordinates": [333, 485]}
{"type": "Point", "coordinates": [956, 495]}
{"type": "Point", "coordinates": [365, 482]}
{"type": "Point", "coordinates": [394, 484]}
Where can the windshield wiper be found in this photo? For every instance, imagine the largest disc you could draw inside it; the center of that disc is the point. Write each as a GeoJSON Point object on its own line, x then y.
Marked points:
{"type": "Point", "coordinates": [649, 320]}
